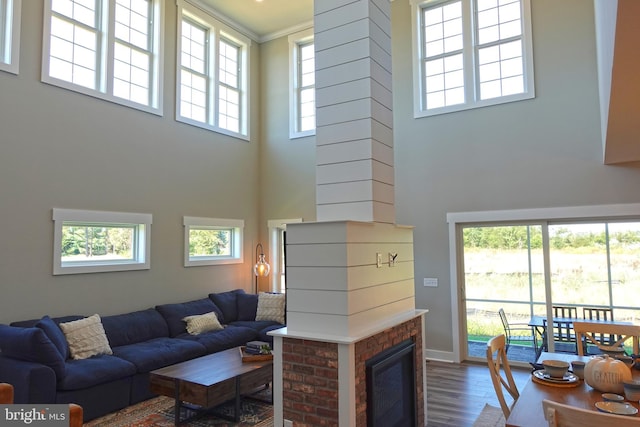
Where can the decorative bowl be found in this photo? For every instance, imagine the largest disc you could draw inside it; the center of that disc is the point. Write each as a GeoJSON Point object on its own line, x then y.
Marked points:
{"type": "Point", "coordinates": [632, 390]}
{"type": "Point", "coordinates": [555, 368]}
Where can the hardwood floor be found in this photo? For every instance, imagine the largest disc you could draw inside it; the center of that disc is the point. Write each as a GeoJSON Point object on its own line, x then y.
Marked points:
{"type": "Point", "coordinates": [456, 393]}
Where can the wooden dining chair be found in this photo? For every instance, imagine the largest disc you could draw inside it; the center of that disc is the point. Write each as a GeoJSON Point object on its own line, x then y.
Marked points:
{"type": "Point", "coordinates": [588, 332]}
{"type": "Point", "coordinates": [75, 411]}
{"type": "Point", "coordinates": [500, 372]}
{"type": "Point", "coordinates": [600, 313]}
{"type": "Point", "coordinates": [561, 415]}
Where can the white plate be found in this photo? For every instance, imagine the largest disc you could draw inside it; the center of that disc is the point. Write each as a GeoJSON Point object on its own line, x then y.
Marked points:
{"type": "Point", "coordinates": [568, 377]}
{"type": "Point", "coordinates": [616, 408]}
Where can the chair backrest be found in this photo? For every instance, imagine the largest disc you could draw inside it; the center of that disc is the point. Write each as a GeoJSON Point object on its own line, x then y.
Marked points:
{"type": "Point", "coordinates": [561, 415]}
{"type": "Point", "coordinates": [505, 322]}
{"type": "Point", "coordinates": [565, 311]}
{"type": "Point", "coordinates": [599, 313]}
{"type": "Point", "coordinates": [590, 331]}
{"type": "Point", "coordinates": [500, 372]}
{"type": "Point", "coordinates": [75, 411]}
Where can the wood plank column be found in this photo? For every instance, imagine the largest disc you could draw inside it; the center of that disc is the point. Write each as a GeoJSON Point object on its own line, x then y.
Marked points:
{"type": "Point", "coordinates": [354, 120]}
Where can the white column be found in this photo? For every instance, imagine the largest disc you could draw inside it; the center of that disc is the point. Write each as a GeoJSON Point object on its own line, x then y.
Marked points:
{"type": "Point", "coordinates": [354, 120]}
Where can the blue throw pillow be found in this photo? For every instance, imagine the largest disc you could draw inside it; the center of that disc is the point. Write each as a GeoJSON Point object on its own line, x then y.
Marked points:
{"type": "Point", "coordinates": [227, 303]}
{"type": "Point", "coordinates": [247, 306]}
{"type": "Point", "coordinates": [31, 345]}
{"type": "Point", "coordinates": [55, 334]}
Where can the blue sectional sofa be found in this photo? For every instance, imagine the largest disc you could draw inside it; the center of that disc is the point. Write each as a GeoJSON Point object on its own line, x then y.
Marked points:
{"type": "Point", "coordinates": [35, 357]}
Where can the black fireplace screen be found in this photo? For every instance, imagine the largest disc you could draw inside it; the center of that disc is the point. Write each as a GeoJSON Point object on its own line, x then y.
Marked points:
{"type": "Point", "coordinates": [391, 387]}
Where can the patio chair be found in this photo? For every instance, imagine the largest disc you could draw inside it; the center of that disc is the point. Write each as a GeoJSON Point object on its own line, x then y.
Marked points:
{"type": "Point", "coordinates": [561, 415]}
{"type": "Point", "coordinates": [565, 311]}
{"type": "Point", "coordinates": [563, 335]}
{"type": "Point", "coordinates": [510, 328]}
{"type": "Point", "coordinates": [500, 372]}
{"type": "Point", "coordinates": [75, 411]}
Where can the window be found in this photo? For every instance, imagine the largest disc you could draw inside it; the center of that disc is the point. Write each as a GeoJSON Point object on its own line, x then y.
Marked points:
{"type": "Point", "coordinates": [277, 245]}
{"type": "Point", "coordinates": [10, 35]}
{"type": "Point", "coordinates": [212, 76]}
{"type": "Point", "coordinates": [109, 49]}
{"type": "Point", "coordinates": [471, 53]}
{"type": "Point", "coordinates": [211, 241]}
{"type": "Point", "coordinates": [302, 117]}
{"type": "Point", "coordinates": [96, 241]}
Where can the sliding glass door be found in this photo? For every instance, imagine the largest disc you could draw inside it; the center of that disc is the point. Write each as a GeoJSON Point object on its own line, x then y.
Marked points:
{"type": "Point", "coordinates": [590, 264]}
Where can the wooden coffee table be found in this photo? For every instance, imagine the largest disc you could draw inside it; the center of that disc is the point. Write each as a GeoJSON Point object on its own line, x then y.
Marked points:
{"type": "Point", "coordinates": [211, 380]}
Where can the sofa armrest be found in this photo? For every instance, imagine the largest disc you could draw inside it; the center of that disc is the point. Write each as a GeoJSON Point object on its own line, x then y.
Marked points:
{"type": "Point", "coordinates": [32, 382]}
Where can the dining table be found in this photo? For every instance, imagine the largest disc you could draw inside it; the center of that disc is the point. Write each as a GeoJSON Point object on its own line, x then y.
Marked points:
{"type": "Point", "coordinates": [527, 410]}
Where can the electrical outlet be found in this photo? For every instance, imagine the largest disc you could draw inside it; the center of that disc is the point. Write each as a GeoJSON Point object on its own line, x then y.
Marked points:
{"type": "Point", "coordinates": [288, 423]}
{"type": "Point", "coordinates": [378, 259]}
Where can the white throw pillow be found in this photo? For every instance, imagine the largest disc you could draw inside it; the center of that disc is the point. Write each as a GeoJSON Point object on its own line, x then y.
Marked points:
{"type": "Point", "coordinates": [271, 307]}
{"type": "Point", "coordinates": [86, 337]}
{"type": "Point", "coordinates": [200, 323]}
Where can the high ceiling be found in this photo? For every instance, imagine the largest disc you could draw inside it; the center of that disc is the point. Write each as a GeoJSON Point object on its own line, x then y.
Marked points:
{"type": "Point", "coordinates": [266, 18]}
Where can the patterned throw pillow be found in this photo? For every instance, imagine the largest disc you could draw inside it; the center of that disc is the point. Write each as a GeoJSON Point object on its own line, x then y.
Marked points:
{"type": "Point", "coordinates": [271, 307]}
{"type": "Point", "coordinates": [86, 337]}
{"type": "Point", "coordinates": [200, 323]}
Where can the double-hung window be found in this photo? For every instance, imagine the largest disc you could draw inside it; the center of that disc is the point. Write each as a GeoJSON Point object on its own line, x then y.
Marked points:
{"type": "Point", "coordinates": [9, 35]}
{"type": "Point", "coordinates": [212, 75]}
{"type": "Point", "coordinates": [302, 117]}
{"type": "Point", "coordinates": [110, 49]}
{"type": "Point", "coordinates": [471, 53]}
{"type": "Point", "coordinates": [99, 241]}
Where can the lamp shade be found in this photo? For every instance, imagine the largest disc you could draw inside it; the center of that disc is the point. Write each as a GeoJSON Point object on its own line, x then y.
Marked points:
{"type": "Point", "coordinates": [262, 267]}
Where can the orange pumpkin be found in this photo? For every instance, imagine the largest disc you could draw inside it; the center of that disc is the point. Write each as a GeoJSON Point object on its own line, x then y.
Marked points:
{"type": "Point", "coordinates": [606, 374]}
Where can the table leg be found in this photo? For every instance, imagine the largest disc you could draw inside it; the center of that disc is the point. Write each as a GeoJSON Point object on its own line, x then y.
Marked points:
{"type": "Point", "coordinates": [238, 401]}
{"type": "Point", "coordinates": [177, 404]}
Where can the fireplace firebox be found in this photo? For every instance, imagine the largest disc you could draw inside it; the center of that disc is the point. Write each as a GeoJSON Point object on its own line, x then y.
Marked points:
{"type": "Point", "coordinates": [391, 387]}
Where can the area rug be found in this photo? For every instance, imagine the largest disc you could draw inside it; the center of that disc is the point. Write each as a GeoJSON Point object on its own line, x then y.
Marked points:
{"type": "Point", "coordinates": [158, 412]}
{"type": "Point", "coordinates": [490, 417]}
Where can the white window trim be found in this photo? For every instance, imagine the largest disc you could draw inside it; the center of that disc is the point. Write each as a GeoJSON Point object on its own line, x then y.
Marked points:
{"type": "Point", "coordinates": [156, 85]}
{"type": "Point", "coordinates": [295, 40]}
{"type": "Point", "coordinates": [236, 240]}
{"type": "Point", "coordinates": [419, 109]}
{"type": "Point", "coordinates": [142, 255]}
{"type": "Point", "coordinates": [456, 219]}
{"type": "Point", "coordinates": [275, 226]}
{"type": "Point", "coordinates": [10, 62]}
{"type": "Point", "coordinates": [198, 13]}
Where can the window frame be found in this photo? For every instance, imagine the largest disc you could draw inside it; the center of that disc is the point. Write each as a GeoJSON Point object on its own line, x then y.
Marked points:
{"type": "Point", "coordinates": [105, 30]}
{"type": "Point", "coordinates": [142, 240]}
{"type": "Point", "coordinates": [237, 240]}
{"type": "Point", "coordinates": [216, 31]}
{"type": "Point", "coordinates": [469, 51]}
{"type": "Point", "coordinates": [277, 227]}
{"type": "Point", "coordinates": [10, 14]}
{"type": "Point", "coordinates": [296, 41]}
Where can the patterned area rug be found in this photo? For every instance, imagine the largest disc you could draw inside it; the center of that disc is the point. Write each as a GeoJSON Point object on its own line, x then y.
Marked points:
{"type": "Point", "coordinates": [158, 412]}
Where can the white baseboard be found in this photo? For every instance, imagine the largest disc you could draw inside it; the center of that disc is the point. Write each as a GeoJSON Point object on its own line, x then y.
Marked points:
{"type": "Point", "coordinates": [441, 356]}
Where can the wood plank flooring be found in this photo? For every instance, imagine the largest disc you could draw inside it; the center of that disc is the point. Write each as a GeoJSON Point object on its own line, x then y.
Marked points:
{"type": "Point", "coordinates": [456, 393]}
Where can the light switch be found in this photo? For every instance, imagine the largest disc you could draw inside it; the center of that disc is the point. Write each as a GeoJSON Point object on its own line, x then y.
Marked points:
{"type": "Point", "coordinates": [431, 282]}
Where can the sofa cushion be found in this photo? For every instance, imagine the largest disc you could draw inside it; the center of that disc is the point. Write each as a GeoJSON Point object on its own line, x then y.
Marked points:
{"type": "Point", "coordinates": [229, 337]}
{"type": "Point", "coordinates": [159, 352]}
{"type": "Point", "coordinates": [31, 345]}
{"type": "Point", "coordinates": [271, 307]}
{"type": "Point", "coordinates": [257, 325]}
{"type": "Point", "coordinates": [131, 328]}
{"type": "Point", "coordinates": [95, 370]}
{"type": "Point", "coordinates": [247, 306]}
{"type": "Point", "coordinates": [55, 334]}
{"type": "Point", "coordinates": [200, 323]}
{"type": "Point", "coordinates": [86, 337]}
{"type": "Point", "coordinates": [174, 313]}
{"type": "Point", "coordinates": [226, 301]}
